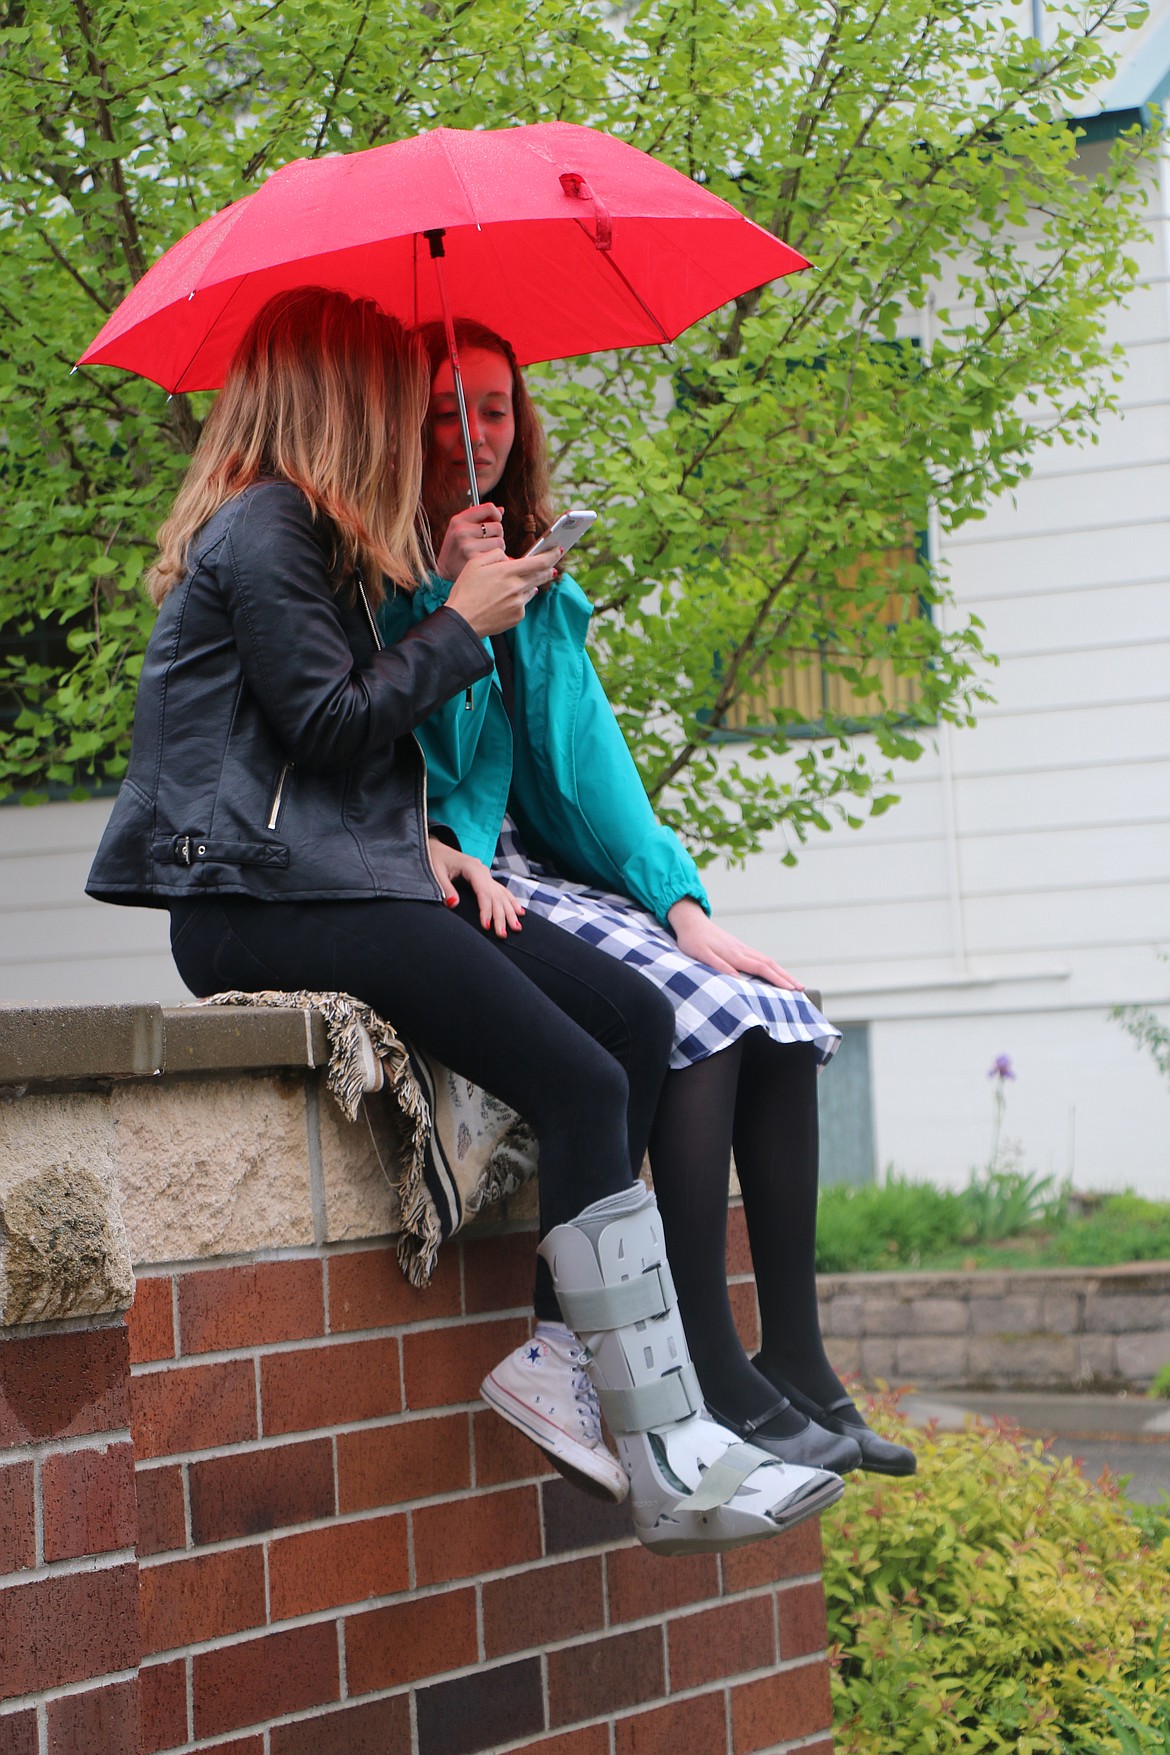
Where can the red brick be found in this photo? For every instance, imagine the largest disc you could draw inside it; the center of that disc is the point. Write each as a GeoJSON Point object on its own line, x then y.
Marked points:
{"type": "Point", "coordinates": [344, 1563]}
{"type": "Point", "coordinates": [779, 1708]}
{"type": "Point", "coordinates": [162, 1697]}
{"type": "Point", "coordinates": [543, 1604]}
{"type": "Point", "coordinates": [369, 1290]}
{"type": "Point", "coordinates": [193, 1407]}
{"type": "Point", "coordinates": [406, 1641]}
{"type": "Point", "coordinates": [203, 1596]}
{"type": "Point", "coordinates": [255, 1490]}
{"type": "Point", "coordinates": [770, 1562]}
{"type": "Point", "coordinates": [590, 1681]}
{"type": "Point", "coordinates": [746, 1312]}
{"type": "Point", "coordinates": [739, 1250]}
{"type": "Point", "coordinates": [63, 1385]}
{"type": "Point", "coordinates": [414, 1459]}
{"type": "Point", "coordinates": [640, 1585]}
{"type": "Point", "coordinates": [475, 1535]}
{"type": "Point", "coordinates": [162, 1524]}
{"type": "Point", "coordinates": [479, 1711]}
{"type": "Point", "coordinates": [447, 1365]}
{"type": "Point", "coordinates": [284, 1672]}
{"type": "Point", "coordinates": [726, 1641]}
{"type": "Point", "coordinates": [150, 1320]}
{"type": "Point", "coordinates": [18, 1733]}
{"type": "Point", "coordinates": [329, 1386]}
{"type": "Point", "coordinates": [89, 1504]}
{"type": "Point", "coordinates": [253, 1306]}
{"type": "Point", "coordinates": [18, 1536]}
{"type": "Point", "coordinates": [498, 1272]}
{"type": "Point", "coordinates": [573, 1519]}
{"type": "Point", "coordinates": [697, 1726]}
{"type": "Point", "coordinates": [376, 1727]}
{"type": "Point", "coordinates": [803, 1627]}
{"type": "Point", "coordinates": [102, 1718]}
{"type": "Point", "coordinates": [590, 1740]}
{"type": "Point", "coordinates": [503, 1454]}
{"type": "Point", "coordinates": [68, 1628]}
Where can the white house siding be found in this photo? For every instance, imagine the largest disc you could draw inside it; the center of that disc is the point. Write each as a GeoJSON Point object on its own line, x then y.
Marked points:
{"type": "Point", "coordinates": [1022, 887]}
{"type": "Point", "coordinates": [56, 946]}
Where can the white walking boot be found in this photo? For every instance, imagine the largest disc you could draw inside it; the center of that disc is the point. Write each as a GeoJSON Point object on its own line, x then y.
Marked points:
{"type": "Point", "coordinates": [694, 1487]}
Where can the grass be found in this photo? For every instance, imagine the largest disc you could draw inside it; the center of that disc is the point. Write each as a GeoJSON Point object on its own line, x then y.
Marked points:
{"type": "Point", "coordinates": [1002, 1219]}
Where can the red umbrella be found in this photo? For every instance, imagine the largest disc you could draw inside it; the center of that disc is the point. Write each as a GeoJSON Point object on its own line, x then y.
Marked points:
{"type": "Point", "coordinates": [560, 237]}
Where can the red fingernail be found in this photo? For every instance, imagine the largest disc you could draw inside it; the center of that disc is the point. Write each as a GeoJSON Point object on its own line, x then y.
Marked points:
{"type": "Point", "coordinates": [451, 901]}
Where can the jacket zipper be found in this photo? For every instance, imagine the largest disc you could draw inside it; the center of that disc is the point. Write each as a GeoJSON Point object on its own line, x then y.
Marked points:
{"type": "Point", "coordinates": [378, 647]}
{"type": "Point", "coordinates": [274, 813]}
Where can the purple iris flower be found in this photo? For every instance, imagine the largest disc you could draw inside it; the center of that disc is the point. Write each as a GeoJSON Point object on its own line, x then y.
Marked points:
{"type": "Point", "coordinates": [1001, 1068]}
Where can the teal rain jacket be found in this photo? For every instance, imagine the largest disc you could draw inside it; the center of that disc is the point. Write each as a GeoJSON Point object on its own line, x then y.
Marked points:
{"type": "Point", "coordinates": [563, 772]}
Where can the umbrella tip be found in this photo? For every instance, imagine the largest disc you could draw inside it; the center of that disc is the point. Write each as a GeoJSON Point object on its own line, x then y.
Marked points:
{"type": "Point", "coordinates": [72, 369]}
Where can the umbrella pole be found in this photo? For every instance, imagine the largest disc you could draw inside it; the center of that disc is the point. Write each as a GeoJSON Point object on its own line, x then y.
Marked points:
{"type": "Point", "coordinates": [435, 240]}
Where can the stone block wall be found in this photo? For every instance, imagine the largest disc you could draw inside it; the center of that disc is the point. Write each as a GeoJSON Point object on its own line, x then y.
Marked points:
{"type": "Point", "coordinates": [262, 1511]}
{"type": "Point", "coordinates": [1052, 1328]}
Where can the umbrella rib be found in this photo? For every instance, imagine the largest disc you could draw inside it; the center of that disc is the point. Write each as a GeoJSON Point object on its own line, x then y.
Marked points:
{"type": "Point", "coordinates": [607, 257]}
{"type": "Point", "coordinates": [204, 338]}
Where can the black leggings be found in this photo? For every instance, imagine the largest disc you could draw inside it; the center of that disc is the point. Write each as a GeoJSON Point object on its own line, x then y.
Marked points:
{"type": "Point", "coordinates": [574, 1041]}
{"type": "Point", "coordinates": [759, 1096]}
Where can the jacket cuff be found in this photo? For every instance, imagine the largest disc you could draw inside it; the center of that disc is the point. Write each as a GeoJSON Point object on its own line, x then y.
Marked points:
{"type": "Point", "coordinates": [682, 893]}
{"type": "Point", "coordinates": [442, 833]}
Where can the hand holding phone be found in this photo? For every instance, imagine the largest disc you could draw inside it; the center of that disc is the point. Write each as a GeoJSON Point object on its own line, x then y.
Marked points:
{"type": "Point", "coordinates": [568, 529]}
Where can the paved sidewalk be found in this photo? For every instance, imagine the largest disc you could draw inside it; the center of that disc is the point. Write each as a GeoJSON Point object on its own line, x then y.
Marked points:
{"type": "Point", "coordinates": [1128, 1434]}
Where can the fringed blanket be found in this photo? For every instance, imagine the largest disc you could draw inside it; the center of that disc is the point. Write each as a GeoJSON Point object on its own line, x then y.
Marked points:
{"type": "Point", "coordinates": [462, 1149]}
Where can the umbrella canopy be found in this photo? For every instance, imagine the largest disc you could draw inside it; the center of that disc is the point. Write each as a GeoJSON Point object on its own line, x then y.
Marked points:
{"type": "Point", "coordinates": [560, 237]}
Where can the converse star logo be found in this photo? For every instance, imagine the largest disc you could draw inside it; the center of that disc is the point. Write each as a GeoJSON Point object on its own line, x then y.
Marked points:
{"type": "Point", "coordinates": [536, 1352]}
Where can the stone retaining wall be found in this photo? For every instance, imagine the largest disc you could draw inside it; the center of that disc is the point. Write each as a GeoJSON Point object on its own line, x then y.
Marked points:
{"type": "Point", "coordinates": [262, 1511]}
{"type": "Point", "coordinates": [1051, 1328]}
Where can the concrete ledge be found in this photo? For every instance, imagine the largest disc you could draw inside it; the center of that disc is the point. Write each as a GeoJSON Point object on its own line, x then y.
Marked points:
{"type": "Point", "coordinates": [74, 1047]}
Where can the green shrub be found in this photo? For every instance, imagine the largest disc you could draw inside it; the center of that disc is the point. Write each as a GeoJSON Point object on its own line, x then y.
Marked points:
{"type": "Point", "coordinates": [1002, 1218]}
{"type": "Point", "coordinates": [991, 1603]}
{"type": "Point", "coordinates": [894, 1225]}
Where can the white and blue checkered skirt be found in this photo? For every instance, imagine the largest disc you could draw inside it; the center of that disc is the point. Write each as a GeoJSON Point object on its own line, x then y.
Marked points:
{"type": "Point", "coordinates": [711, 1010]}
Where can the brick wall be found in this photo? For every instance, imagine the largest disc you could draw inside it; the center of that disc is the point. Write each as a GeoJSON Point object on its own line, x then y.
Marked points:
{"type": "Point", "coordinates": [337, 1550]}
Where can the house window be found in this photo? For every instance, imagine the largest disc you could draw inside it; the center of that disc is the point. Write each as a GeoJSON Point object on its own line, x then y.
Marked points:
{"type": "Point", "coordinates": [800, 689]}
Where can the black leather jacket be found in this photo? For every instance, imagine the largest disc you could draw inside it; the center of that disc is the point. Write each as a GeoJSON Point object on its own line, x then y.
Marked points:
{"type": "Point", "coordinates": [272, 753]}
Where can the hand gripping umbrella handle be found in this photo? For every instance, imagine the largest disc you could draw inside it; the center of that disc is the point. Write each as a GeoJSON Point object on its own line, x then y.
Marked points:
{"type": "Point", "coordinates": [435, 240]}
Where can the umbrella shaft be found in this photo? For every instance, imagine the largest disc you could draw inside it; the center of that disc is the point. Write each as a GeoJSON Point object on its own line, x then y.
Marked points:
{"type": "Point", "coordinates": [452, 349]}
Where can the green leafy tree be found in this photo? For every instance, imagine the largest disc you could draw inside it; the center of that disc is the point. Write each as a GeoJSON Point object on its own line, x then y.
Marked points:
{"type": "Point", "coordinates": [758, 481]}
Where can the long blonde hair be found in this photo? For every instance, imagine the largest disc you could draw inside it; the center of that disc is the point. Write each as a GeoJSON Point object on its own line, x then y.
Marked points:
{"type": "Point", "coordinates": [330, 394]}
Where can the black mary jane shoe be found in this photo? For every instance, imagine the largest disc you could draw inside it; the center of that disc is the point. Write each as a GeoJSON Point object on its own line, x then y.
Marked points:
{"type": "Point", "coordinates": [878, 1455]}
{"type": "Point", "coordinates": [812, 1448]}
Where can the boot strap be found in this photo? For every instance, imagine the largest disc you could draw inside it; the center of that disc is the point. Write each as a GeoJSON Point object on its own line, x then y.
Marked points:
{"type": "Point", "coordinates": [723, 1480]}
{"type": "Point", "coordinates": [673, 1397]}
{"type": "Point", "coordinates": [594, 1310]}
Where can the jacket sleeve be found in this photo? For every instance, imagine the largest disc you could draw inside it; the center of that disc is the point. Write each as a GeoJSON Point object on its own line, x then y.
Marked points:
{"type": "Point", "coordinates": [324, 708]}
{"type": "Point", "coordinates": [650, 862]}
{"type": "Point", "coordinates": [450, 738]}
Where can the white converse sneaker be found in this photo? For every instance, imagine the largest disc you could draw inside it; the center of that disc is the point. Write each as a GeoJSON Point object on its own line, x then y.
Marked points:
{"type": "Point", "coordinates": [543, 1389]}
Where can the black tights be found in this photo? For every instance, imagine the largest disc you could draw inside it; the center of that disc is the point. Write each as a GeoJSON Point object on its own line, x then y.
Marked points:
{"type": "Point", "coordinates": [574, 1041]}
{"type": "Point", "coordinates": [758, 1097]}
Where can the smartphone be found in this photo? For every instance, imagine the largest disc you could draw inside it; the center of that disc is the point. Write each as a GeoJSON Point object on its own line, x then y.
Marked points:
{"type": "Point", "coordinates": [567, 530]}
